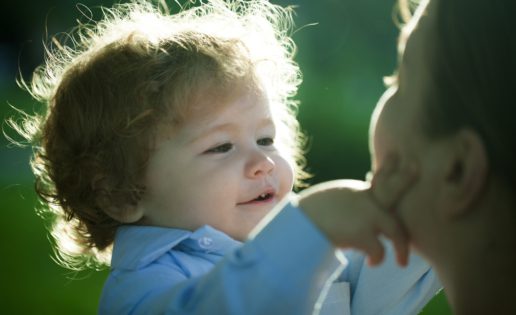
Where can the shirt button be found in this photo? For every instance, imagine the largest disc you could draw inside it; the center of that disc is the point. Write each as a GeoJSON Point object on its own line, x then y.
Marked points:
{"type": "Point", "coordinates": [205, 242]}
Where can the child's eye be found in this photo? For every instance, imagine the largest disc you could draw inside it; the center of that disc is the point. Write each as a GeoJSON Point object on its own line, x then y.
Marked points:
{"type": "Point", "coordinates": [265, 141]}
{"type": "Point", "coordinates": [223, 148]}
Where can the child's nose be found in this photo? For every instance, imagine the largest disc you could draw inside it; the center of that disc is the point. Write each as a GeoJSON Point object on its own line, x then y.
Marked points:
{"type": "Point", "coordinates": [259, 164]}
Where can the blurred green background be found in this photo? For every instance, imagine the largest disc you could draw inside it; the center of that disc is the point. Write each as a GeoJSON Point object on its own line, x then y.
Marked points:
{"type": "Point", "coordinates": [344, 58]}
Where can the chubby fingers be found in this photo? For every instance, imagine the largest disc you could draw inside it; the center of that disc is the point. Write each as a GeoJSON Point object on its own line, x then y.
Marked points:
{"type": "Point", "coordinates": [372, 248]}
{"type": "Point", "coordinates": [391, 181]}
{"type": "Point", "coordinates": [368, 240]}
{"type": "Point", "coordinates": [392, 229]}
{"type": "Point", "coordinates": [366, 226]}
{"type": "Point", "coordinates": [388, 186]}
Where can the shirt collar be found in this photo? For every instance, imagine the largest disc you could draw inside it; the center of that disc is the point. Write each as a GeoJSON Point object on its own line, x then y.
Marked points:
{"type": "Point", "coordinates": [137, 246]}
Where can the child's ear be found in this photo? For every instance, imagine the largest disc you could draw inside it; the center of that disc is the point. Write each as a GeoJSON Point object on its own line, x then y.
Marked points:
{"type": "Point", "coordinates": [465, 174]}
{"type": "Point", "coordinates": [126, 213]}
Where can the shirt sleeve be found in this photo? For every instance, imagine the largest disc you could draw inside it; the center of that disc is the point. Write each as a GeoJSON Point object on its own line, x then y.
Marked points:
{"type": "Point", "coordinates": [389, 289]}
{"type": "Point", "coordinates": [282, 270]}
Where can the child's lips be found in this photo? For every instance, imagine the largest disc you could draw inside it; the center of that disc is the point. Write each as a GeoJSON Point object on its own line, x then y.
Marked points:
{"type": "Point", "coordinates": [263, 198]}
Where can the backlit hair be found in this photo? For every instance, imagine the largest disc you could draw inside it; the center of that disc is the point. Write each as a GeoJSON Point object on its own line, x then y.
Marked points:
{"type": "Point", "coordinates": [108, 85]}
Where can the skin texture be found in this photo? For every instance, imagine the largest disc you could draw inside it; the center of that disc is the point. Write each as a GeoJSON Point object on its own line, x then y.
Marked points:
{"type": "Point", "coordinates": [211, 169]}
{"type": "Point", "coordinates": [458, 215]}
{"type": "Point", "coordinates": [354, 214]}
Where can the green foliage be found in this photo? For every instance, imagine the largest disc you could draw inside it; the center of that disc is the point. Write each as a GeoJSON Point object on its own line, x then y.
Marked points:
{"type": "Point", "coordinates": [31, 282]}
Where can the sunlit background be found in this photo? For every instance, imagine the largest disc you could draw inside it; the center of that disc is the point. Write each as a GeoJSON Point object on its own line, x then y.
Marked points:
{"type": "Point", "coordinates": [343, 58]}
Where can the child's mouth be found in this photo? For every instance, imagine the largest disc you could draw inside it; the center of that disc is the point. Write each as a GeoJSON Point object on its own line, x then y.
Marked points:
{"type": "Point", "coordinates": [263, 198]}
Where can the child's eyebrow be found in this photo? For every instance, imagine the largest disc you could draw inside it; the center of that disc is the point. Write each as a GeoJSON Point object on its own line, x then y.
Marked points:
{"type": "Point", "coordinates": [228, 127]}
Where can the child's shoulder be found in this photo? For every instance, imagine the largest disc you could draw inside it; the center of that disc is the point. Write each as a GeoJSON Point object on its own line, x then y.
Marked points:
{"type": "Point", "coordinates": [149, 248]}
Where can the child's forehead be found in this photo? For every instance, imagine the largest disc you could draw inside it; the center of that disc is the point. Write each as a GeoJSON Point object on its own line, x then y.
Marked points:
{"type": "Point", "coordinates": [211, 101]}
{"type": "Point", "coordinates": [214, 106]}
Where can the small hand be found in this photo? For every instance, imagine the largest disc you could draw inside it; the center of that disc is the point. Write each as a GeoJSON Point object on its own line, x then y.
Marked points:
{"type": "Point", "coordinates": [353, 214]}
{"type": "Point", "coordinates": [388, 186]}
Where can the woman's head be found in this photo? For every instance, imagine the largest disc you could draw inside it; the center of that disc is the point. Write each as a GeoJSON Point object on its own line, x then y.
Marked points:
{"type": "Point", "coordinates": [135, 71]}
{"type": "Point", "coordinates": [450, 110]}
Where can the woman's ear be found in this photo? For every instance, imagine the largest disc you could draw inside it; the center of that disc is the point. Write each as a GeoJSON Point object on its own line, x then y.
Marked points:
{"type": "Point", "coordinates": [465, 174]}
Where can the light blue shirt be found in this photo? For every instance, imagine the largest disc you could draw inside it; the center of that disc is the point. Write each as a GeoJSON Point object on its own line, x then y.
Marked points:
{"type": "Point", "coordinates": [282, 270]}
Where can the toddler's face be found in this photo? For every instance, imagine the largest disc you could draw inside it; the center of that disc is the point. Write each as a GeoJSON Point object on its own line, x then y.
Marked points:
{"type": "Point", "coordinates": [220, 169]}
